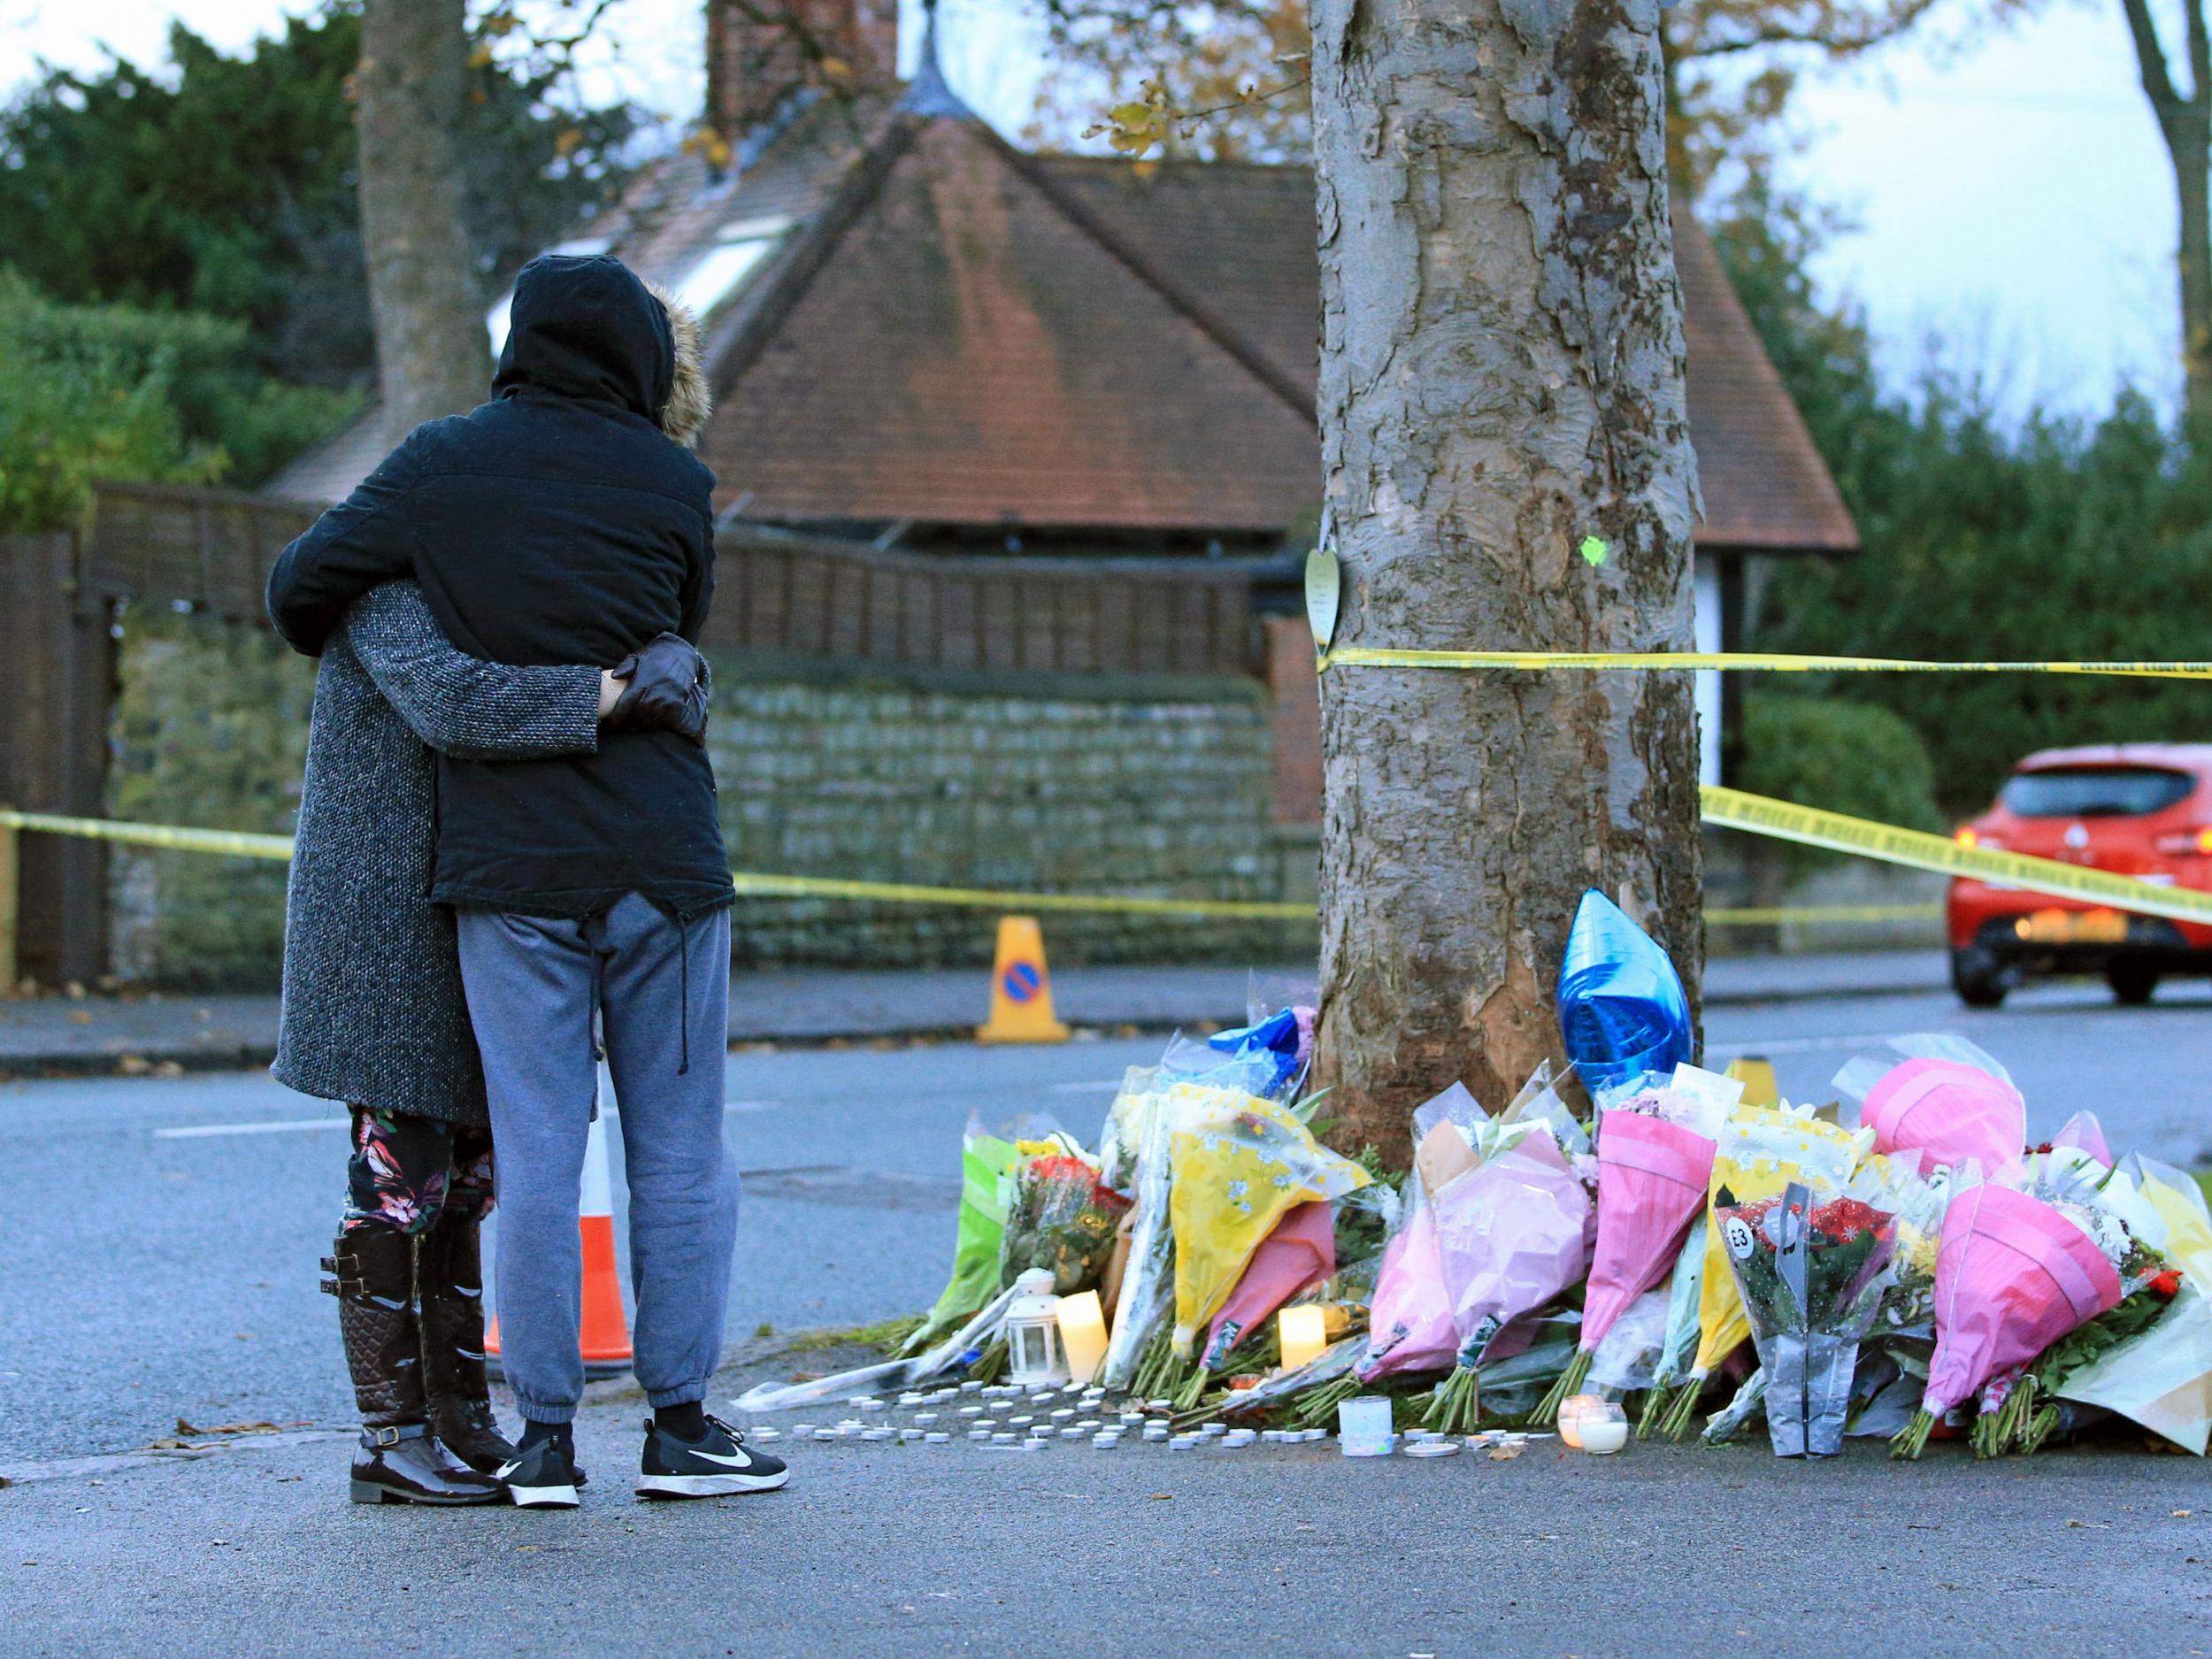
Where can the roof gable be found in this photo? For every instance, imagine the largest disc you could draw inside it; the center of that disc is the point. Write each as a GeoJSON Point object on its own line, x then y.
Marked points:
{"type": "Point", "coordinates": [971, 350]}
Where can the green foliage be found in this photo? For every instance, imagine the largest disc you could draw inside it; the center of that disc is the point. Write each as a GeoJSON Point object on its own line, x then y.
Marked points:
{"type": "Point", "coordinates": [210, 729]}
{"type": "Point", "coordinates": [225, 185]}
{"type": "Point", "coordinates": [108, 392]}
{"type": "Point", "coordinates": [1840, 755]}
{"type": "Point", "coordinates": [1984, 539]}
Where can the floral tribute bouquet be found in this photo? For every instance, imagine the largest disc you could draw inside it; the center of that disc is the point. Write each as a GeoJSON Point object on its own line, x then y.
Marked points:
{"type": "Point", "coordinates": [1940, 1098]}
{"type": "Point", "coordinates": [1655, 1161]}
{"type": "Point", "coordinates": [1512, 1234]}
{"type": "Point", "coordinates": [1235, 1172]}
{"type": "Point", "coordinates": [1060, 1216]}
{"type": "Point", "coordinates": [1811, 1267]}
{"type": "Point", "coordinates": [1678, 1347]}
{"type": "Point", "coordinates": [1298, 1255]}
{"type": "Point", "coordinates": [2015, 1273]}
{"type": "Point", "coordinates": [1761, 1150]}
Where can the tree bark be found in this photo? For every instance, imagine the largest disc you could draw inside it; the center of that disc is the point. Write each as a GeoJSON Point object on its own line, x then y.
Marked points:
{"type": "Point", "coordinates": [433, 356]}
{"type": "Point", "coordinates": [1502, 377]}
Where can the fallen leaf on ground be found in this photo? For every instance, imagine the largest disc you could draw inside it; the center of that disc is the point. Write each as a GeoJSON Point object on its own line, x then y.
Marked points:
{"type": "Point", "coordinates": [1162, 1497]}
{"type": "Point", "coordinates": [2182, 1515]}
{"type": "Point", "coordinates": [1504, 1454]}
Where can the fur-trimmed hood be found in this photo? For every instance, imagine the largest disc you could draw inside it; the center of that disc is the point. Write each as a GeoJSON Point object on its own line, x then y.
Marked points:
{"type": "Point", "coordinates": [586, 327]}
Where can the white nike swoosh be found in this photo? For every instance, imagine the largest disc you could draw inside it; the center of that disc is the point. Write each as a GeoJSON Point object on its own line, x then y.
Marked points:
{"type": "Point", "coordinates": [739, 1461]}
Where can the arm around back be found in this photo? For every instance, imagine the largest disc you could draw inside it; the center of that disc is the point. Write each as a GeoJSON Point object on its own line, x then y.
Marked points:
{"type": "Point", "coordinates": [461, 705]}
{"type": "Point", "coordinates": [364, 540]}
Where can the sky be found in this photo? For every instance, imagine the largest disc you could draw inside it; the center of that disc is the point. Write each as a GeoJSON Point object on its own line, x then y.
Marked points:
{"type": "Point", "coordinates": [2009, 206]}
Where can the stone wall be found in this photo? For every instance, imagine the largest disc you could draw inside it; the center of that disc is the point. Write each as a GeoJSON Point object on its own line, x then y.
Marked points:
{"type": "Point", "coordinates": [1138, 785]}
{"type": "Point", "coordinates": [1142, 785]}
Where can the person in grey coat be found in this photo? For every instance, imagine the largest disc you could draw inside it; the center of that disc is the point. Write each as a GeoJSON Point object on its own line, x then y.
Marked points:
{"type": "Point", "coordinates": [373, 1013]}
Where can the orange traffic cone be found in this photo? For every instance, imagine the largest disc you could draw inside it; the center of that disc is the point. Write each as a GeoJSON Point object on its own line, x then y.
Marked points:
{"type": "Point", "coordinates": [605, 1329]}
{"type": "Point", "coordinates": [1021, 990]}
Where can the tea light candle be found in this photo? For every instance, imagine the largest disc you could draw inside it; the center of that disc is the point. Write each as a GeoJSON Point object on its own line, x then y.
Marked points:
{"type": "Point", "coordinates": [1572, 1411]}
{"type": "Point", "coordinates": [1304, 1334]}
{"type": "Point", "coordinates": [1591, 1423]}
{"type": "Point", "coordinates": [1083, 1335]}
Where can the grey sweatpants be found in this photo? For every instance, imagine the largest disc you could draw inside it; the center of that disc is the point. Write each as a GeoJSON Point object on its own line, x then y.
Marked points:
{"type": "Point", "coordinates": [533, 983]}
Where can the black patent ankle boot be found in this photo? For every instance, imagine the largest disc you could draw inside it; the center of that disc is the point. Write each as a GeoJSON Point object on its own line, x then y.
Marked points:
{"type": "Point", "coordinates": [399, 1460]}
{"type": "Point", "coordinates": [449, 1285]}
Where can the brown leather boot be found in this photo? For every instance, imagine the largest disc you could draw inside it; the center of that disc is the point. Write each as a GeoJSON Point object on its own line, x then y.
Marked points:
{"type": "Point", "coordinates": [399, 1460]}
{"type": "Point", "coordinates": [449, 1284]}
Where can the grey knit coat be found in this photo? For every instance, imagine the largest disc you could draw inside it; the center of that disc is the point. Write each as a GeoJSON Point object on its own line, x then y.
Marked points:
{"type": "Point", "coordinates": [373, 1014]}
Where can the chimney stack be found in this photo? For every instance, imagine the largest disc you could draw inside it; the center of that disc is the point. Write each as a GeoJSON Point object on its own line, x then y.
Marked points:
{"type": "Point", "coordinates": [760, 52]}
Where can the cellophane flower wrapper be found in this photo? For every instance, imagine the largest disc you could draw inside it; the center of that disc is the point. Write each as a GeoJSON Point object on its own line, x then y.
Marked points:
{"type": "Point", "coordinates": [1060, 1216]}
{"type": "Point", "coordinates": [1678, 1347]}
{"type": "Point", "coordinates": [1655, 1172]}
{"type": "Point", "coordinates": [1622, 1008]}
{"type": "Point", "coordinates": [1277, 1041]}
{"type": "Point", "coordinates": [1238, 1167]}
{"type": "Point", "coordinates": [1810, 1266]}
{"type": "Point", "coordinates": [1943, 1100]}
{"type": "Point", "coordinates": [2160, 1378]}
{"type": "Point", "coordinates": [2084, 1133]}
{"type": "Point", "coordinates": [2014, 1274]}
{"type": "Point", "coordinates": [1409, 1322]}
{"type": "Point", "coordinates": [1760, 1151]}
{"type": "Point", "coordinates": [1148, 1286]}
{"type": "Point", "coordinates": [1626, 1361]}
{"type": "Point", "coordinates": [1511, 1235]}
{"type": "Point", "coordinates": [1298, 1255]}
{"type": "Point", "coordinates": [980, 1226]}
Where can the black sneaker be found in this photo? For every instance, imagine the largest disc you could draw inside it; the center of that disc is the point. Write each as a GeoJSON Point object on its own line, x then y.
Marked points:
{"type": "Point", "coordinates": [543, 1477]}
{"type": "Point", "coordinates": [715, 1466]}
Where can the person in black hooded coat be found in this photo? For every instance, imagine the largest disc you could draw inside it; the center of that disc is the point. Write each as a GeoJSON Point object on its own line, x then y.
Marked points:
{"type": "Point", "coordinates": [558, 524]}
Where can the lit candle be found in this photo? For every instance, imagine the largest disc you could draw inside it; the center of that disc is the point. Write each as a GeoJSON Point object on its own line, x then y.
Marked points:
{"type": "Point", "coordinates": [1604, 1436]}
{"type": "Point", "coordinates": [1574, 1412]}
{"type": "Point", "coordinates": [1083, 1335]}
{"type": "Point", "coordinates": [1305, 1334]}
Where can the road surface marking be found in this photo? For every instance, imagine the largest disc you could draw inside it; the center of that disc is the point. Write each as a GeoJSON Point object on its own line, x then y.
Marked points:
{"type": "Point", "coordinates": [293, 1125]}
{"type": "Point", "coordinates": [286, 1127]}
{"type": "Point", "coordinates": [1087, 1088]}
{"type": "Point", "coordinates": [1802, 1045]}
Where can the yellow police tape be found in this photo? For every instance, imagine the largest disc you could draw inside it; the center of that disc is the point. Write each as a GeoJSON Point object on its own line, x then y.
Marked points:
{"type": "Point", "coordinates": [1772, 662]}
{"type": "Point", "coordinates": [1762, 814]}
{"type": "Point", "coordinates": [1731, 809]}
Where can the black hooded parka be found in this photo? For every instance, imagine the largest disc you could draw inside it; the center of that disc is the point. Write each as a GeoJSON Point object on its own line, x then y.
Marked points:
{"type": "Point", "coordinates": [558, 523]}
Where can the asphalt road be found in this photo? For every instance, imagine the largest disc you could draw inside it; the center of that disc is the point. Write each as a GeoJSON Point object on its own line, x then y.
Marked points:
{"type": "Point", "coordinates": [157, 1256]}
{"type": "Point", "coordinates": [157, 1261]}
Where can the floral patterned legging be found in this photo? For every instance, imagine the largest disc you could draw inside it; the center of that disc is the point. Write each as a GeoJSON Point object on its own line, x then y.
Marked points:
{"type": "Point", "coordinates": [405, 1170]}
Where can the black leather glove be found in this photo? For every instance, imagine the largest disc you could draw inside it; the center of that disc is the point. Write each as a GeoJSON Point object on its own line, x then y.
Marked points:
{"type": "Point", "coordinates": [667, 689]}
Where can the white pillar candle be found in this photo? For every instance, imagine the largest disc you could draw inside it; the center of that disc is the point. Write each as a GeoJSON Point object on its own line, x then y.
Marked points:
{"type": "Point", "coordinates": [1305, 1335]}
{"type": "Point", "coordinates": [1083, 1335]}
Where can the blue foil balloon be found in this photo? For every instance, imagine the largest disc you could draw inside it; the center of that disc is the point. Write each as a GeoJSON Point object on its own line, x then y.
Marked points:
{"type": "Point", "coordinates": [1622, 1008]}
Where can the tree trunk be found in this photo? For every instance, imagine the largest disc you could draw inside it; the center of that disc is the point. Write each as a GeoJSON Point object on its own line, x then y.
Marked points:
{"type": "Point", "coordinates": [433, 357]}
{"type": "Point", "coordinates": [2185, 121]}
{"type": "Point", "coordinates": [2190, 141]}
{"type": "Point", "coordinates": [1502, 377]}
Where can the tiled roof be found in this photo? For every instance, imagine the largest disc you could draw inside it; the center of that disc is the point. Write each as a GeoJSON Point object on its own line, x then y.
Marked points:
{"type": "Point", "coordinates": [953, 332]}
{"type": "Point", "coordinates": [969, 353]}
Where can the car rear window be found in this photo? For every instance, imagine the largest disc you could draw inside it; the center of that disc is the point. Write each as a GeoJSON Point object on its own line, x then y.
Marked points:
{"type": "Point", "coordinates": [2095, 791]}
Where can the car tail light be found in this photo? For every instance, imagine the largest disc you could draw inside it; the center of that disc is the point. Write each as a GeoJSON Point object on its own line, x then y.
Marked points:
{"type": "Point", "coordinates": [2188, 843]}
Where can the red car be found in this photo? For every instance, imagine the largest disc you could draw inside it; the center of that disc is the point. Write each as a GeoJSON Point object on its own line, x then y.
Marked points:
{"type": "Point", "coordinates": [2140, 810]}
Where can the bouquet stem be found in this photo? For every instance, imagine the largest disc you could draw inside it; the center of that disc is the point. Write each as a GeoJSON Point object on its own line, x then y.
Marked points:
{"type": "Point", "coordinates": [990, 1365]}
{"type": "Point", "coordinates": [1912, 1439]}
{"type": "Point", "coordinates": [1655, 1409]}
{"type": "Point", "coordinates": [1456, 1408]}
{"type": "Point", "coordinates": [1682, 1407]}
{"type": "Point", "coordinates": [1317, 1410]}
{"type": "Point", "coordinates": [1569, 1382]}
{"type": "Point", "coordinates": [2045, 1423]}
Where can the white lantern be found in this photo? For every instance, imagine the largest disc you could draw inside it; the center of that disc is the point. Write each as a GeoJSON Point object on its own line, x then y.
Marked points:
{"type": "Point", "coordinates": [1034, 1356]}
